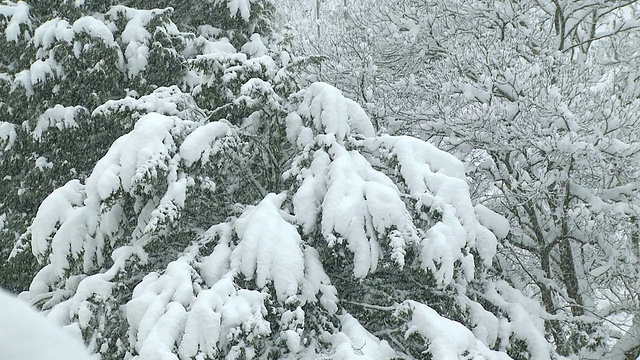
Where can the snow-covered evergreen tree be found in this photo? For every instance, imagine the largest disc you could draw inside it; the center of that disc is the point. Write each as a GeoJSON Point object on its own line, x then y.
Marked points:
{"type": "Point", "coordinates": [58, 66]}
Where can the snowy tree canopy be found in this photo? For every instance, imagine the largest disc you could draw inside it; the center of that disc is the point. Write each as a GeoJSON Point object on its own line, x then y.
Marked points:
{"type": "Point", "coordinates": [225, 209]}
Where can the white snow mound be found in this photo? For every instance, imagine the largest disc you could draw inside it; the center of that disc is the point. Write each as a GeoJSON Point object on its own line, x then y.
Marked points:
{"type": "Point", "coordinates": [26, 334]}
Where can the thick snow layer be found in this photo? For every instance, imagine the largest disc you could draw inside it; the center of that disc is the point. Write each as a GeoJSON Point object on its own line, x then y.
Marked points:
{"type": "Point", "coordinates": [59, 116]}
{"type": "Point", "coordinates": [203, 317]}
{"type": "Point", "coordinates": [201, 143]}
{"type": "Point", "coordinates": [355, 342]}
{"type": "Point", "coordinates": [317, 281]}
{"type": "Point", "coordinates": [135, 36]}
{"type": "Point", "coordinates": [69, 239]}
{"type": "Point", "coordinates": [7, 135]}
{"type": "Point", "coordinates": [206, 46]}
{"type": "Point", "coordinates": [94, 28]}
{"type": "Point", "coordinates": [52, 31]}
{"type": "Point", "coordinates": [196, 305]}
{"type": "Point", "coordinates": [42, 163]}
{"type": "Point", "coordinates": [359, 205]}
{"type": "Point", "coordinates": [164, 333]}
{"type": "Point", "coordinates": [257, 92]}
{"type": "Point", "coordinates": [213, 266]}
{"type": "Point", "coordinates": [39, 72]}
{"type": "Point", "coordinates": [486, 325]}
{"type": "Point", "coordinates": [73, 223]}
{"type": "Point", "coordinates": [492, 221]}
{"type": "Point", "coordinates": [308, 199]}
{"type": "Point", "coordinates": [525, 317]}
{"type": "Point", "coordinates": [491, 225]}
{"type": "Point", "coordinates": [436, 180]}
{"type": "Point", "coordinates": [356, 203]}
{"type": "Point", "coordinates": [332, 113]}
{"type": "Point", "coordinates": [19, 15]}
{"type": "Point", "coordinates": [255, 47]}
{"type": "Point", "coordinates": [26, 334]}
{"type": "Point", "coordinates": [42, 281]}
{"type": "Point", "coordinates": [140, 153]}
{"type": "Point", "coordinates": [446, 339]}
{"type": "Point", "coordinates": [165, 314]}
{"type": "Point", "coordinates": [423, 161]}
{"type": "Point", "coordinates": [55, 209]}
{"type": "Point", "coordinates": [169, 207]}
{"type": "Point", "coordinates": [240, 6]}
{"type": "Point", "coordinates": [269, 247]}
{"type": "Point", "coordinates": [169, 101]}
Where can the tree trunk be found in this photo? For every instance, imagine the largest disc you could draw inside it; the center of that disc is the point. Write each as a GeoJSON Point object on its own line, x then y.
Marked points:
{"type": "Point", "coordinates": [567, 263]}
{"type": "Point", "coordinates": [553, 326]}
{"type": "Point", "coordinates": [569, 277]}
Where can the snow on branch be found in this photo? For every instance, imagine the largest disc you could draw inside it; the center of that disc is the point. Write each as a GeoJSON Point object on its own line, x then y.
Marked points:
{"type": "Point", "coordinates": [269, 250]}
{"type": "Point", "coordinates": [436, 180]}
{"type": "Point", "coordinates": [169, 101]}
{"type": "Point", "coordinates": [239, 7]}
{"type": "Point", "coordinates": [94, 28]}
{"type": "Point", "coordinates": [202, 142]}
{"type": "Point", "coordinates": [446, 339]}
{"type": "Point", "coordinates": [76, 220]}
{"type": "Point", "coordinates": [332, 113]}
{"type": "Point", "coordinates": [256, 280]}
{"type": "Point", "coordinates": [269, 247]}
{"type": "Point", "coordinates": [50, 32]}
{"type": "Point", "coordinates": [17, 15]}
{"type": "Point", "coordinates": [7, 135]}
{"type": "Point", "coordinates": [54, 210]}
{"type": "Point", "coordinates": [525, 317]}
{"type": "Point", "coordinates": [361, 206]}
{"type": "Point", "coordinates": [59, 117]}
{"type": "Point", "coordinates": [135, 37]}
{"type": "Point", "coordinates": [39, 72]}
{"type": "Point", "coordinates": [144, 152]}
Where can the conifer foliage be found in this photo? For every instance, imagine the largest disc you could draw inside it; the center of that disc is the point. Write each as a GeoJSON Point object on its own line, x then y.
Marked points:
{"type": "Point", "coordinates": [197, 199]}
